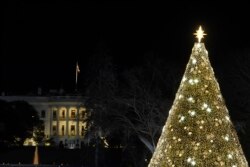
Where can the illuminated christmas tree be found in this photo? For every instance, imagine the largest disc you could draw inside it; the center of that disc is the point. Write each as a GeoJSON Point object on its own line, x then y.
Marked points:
{"type": "Point", "coordinates": [198, 131]}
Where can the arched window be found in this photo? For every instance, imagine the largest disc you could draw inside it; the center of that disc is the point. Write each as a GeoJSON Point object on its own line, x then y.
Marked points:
{"type": "Point", "coordinates": [63, 113]}
{"type": "Point", "coordinates": [73, 113]}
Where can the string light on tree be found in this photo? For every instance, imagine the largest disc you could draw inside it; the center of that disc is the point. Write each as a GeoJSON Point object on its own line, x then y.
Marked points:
{"type": "Point", "coordinates": [198, 131]}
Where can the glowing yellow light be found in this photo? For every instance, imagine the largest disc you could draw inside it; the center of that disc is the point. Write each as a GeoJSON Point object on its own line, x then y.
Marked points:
{"type": "Point", "coordinates": [230, 156]}
{"type": "Point", "coordinates": [182, 119]}
{"type": "Point", "coordinates": [193, 163]}
{"type": "Point", "coordinates": [192, 113]}
{"type": "Point", "coordinates": [226, 138]}
{"type": "Point", "coordinates": [199, 34]}
{"type": "Point", "coordinates": [194, 61]}
{"type": "Point", "coordinates": [191, 81]}
{"type": "Point", "coordinates": [191, 99]}
{"type": "Point", "coordinates": [180, 96]}
{"type": "Point", "coordinates": [209, 110]}
{"type": "Point", "coordinates": [205, 105]}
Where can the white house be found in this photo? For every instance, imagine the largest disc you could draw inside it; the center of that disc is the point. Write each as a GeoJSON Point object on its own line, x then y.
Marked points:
{"type": "Point", "coordinates": [63, 117]}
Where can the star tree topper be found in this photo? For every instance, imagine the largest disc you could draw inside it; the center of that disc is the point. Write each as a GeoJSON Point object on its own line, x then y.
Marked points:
{"type": "Point", "coordinates": [199, 34]}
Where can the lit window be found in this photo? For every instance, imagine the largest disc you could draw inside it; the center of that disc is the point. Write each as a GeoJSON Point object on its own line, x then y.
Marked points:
{"type": "Point", "coordinates": [73, 113]}
{"type": "Point", "coordinates": [63, 113]}
{"type": "Point", "coordinates": [72, 130]}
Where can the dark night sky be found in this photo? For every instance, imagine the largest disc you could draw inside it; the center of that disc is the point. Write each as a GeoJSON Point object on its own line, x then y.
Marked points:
{"type": "Point", "coordinates": [40, 42]}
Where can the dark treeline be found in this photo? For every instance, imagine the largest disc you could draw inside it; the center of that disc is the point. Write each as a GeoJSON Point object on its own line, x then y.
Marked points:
{"type": "Point", "coordinates": [18, 121]}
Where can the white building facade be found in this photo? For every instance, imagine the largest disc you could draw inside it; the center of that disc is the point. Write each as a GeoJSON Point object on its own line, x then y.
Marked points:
{"type": "Point", "coordinates": [63, 117]}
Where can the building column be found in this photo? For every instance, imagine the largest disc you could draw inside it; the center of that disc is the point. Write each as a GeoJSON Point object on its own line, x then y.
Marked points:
{"type": "Point", "coordinates": [67, 121]}
{"type": "Point", "coordinates": [77, 122]}
{"type": "Point", "coordinates": [51, 121]}
{"type": "Point", "coordinates": [57, 122]}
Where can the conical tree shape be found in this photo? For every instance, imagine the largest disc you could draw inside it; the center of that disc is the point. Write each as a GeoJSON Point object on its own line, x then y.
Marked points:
{"type": "Point", "coordinates": [198, 131]}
